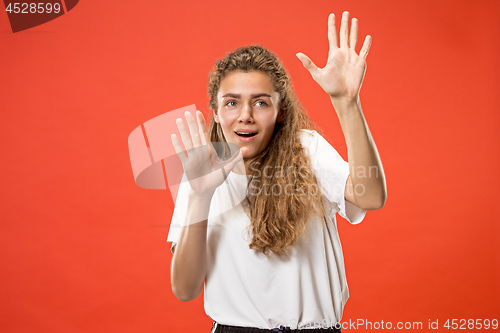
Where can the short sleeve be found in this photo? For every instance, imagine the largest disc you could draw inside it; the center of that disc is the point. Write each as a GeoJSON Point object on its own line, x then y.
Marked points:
{"type": "Point", "coordinates": [179, 214]}
{"type": "Point", "coordinates": [331, 172]}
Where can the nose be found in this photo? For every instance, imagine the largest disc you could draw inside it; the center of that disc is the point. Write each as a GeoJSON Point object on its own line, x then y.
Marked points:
{"type": "Point", "coordinates": [246, 114]}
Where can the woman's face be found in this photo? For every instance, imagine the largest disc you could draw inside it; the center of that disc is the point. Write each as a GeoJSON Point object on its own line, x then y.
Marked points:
{"type": "Point", "coordinates": [247, 110]}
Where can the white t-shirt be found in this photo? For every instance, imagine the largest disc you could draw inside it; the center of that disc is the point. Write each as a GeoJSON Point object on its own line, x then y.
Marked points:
{"type": "Point", "coordinates": [243, 287]}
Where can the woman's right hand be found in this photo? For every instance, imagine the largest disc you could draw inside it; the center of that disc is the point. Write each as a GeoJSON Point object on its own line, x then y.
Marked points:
{"type": "Point", "coordinates": [203, 168]}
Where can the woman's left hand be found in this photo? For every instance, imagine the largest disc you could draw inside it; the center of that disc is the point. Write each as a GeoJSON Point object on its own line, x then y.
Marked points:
{"type": "Point", "coordinates": [343, 74]}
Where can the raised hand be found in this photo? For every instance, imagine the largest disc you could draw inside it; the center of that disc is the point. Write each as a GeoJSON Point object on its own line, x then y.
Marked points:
{"type": "Point", "coordinates": [344, 71]}
{"type": "Point", "coordinates": [203, 168]}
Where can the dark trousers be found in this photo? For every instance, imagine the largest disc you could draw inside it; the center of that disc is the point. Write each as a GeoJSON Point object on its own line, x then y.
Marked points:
{"type": "Point", "coordinates": [239, 329]}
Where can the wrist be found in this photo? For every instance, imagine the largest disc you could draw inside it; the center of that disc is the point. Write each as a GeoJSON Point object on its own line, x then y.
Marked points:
{"type": "Point", "coordinates": [346, 106]}
{"type": "Point", "coordinates": [198, 209]}
{"type": "Point", "coordinates": [200, 197]}
{"type": "Point", "coordinates": [345, 103]}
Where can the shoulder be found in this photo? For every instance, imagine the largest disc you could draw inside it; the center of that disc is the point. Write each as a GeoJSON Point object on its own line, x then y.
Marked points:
{"type": "Point", "coordinates": [307, 133]}
{"type": "Point", "coordinates": [308, 137]}
{"type": "Point", "coordinates": [318, 148]}
{"type": "Point", "coordinates": [312, 141]}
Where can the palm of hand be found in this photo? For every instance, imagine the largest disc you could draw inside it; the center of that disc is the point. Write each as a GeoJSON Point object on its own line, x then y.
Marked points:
{"type": "Point", "coordinates": [344, 72]}
{"type": "Point", "coordinates": [342, 75]}
{"type": "Point", "coordinates": [203, 168]}
{"type": "Point", "coordinates": [198, 167]}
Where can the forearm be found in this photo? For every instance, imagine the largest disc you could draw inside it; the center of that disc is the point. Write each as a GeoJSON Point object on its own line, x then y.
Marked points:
{"type": "Point", "coordinates": [189, 263]}
{"type": "Point", "coordinates": [367, 174]}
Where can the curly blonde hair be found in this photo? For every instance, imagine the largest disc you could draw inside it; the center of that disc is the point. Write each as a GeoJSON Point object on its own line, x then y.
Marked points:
{"type": "Point", "coordinates": [277, 220]}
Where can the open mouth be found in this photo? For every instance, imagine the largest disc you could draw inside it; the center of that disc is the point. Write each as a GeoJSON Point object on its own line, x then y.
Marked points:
{"type": "Point", "coordinates": [245, 135]}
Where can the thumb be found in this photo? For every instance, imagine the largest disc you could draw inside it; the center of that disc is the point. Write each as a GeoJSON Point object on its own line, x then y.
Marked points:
{"type": "Point", "coordinates": [244, 151]}
{"type": "Point", "coordinates": [308, 64]}
{"type": "Point", "coordinates": [237, 157]}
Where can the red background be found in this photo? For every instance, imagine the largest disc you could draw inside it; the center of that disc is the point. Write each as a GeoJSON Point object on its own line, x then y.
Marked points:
{"type": "Point", "coordinates": [83, 248]}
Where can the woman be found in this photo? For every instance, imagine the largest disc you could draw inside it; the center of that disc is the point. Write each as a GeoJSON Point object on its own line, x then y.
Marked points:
{"type": "Point", "coordinates": [273, 261]}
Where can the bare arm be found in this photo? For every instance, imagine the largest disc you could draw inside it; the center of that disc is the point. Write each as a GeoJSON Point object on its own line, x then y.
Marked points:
{"type": "Point", "coordinates": [204, 171]}
{"type": "Point", "coordinates": [366, 187]}
{"type": "Point", "coordinates": [341, 78]}
{"type": "Point", "coordinates": [189, 263]}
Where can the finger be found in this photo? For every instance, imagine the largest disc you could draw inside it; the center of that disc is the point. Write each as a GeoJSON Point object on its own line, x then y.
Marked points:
{"type": "Point", "coordinates": [308, 64]}
{"type": "Point", "coordinates": [354, 34]}
{"type": "Point", "coordinates": [186, 139]}
{"type": "Point", "coordinates": [178, 148]}
{"type": "Point", "coordinates": [202, 126]}
{"type": "Point", "coordinates": [205, 138]}
{"type": "Point", "coordinates": [193, 129]}
{"type": "Point", "coordinates": [237, 157]}
{"type": "Point", "coordinates": [344, 30]}
{"type": "Point", "coordinates": [366, 47]}
{"type": "Point", "coordinates": [332, 34]}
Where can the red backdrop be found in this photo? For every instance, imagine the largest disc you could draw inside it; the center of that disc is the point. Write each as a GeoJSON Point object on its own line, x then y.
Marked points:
{"type": "Point", "coordinates": [83, 248]}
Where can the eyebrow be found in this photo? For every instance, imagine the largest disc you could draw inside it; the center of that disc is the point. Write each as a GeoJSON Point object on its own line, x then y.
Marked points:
{"type": "Point", "coordinates": [239, 96]}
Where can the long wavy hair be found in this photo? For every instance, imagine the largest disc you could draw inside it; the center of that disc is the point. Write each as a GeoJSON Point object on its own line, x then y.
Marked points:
{"type": "Point", "coordinates": [278, 218]}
